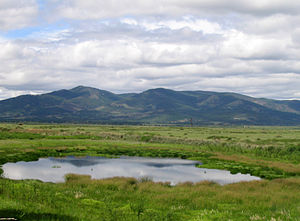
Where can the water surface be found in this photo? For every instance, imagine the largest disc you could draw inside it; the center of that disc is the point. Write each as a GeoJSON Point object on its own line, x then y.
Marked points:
{"type": "Point", "coordinates": [158, 169]}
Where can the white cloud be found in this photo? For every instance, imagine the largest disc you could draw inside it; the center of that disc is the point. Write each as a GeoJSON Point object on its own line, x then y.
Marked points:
{"type": "Point", "coordinates": [236, 62]}
{"type": "Point", "coordinates": [198, 25]}
{"type": "Point", "coordinates": [5, 93]}
{"type": "Point", "coordinates": [98, 9]}
{"type": "Point", "coordinates": [249, 47]}
{"type": "Point", "coordinates": [17, 14]}
{"type": "Point", "coordinates": [295, 35]}
{"type": "Point", "coordinates": [276, 24]}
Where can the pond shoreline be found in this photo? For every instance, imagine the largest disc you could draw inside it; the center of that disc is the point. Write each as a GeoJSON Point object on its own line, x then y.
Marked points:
{"type": "Point", "coordinates": [171, 170]}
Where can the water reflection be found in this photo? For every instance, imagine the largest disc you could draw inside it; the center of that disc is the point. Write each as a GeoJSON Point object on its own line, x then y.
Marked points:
{"type": "Point", "coordinates": [164, 170]}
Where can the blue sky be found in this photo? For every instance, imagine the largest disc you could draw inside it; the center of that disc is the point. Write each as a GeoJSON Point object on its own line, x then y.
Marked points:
{"type": "Point", "coordinates": [248, 47]}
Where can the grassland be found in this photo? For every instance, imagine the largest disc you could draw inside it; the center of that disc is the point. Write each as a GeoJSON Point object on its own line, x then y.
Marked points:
{"type": "Point", "coordinates": [272, 153]}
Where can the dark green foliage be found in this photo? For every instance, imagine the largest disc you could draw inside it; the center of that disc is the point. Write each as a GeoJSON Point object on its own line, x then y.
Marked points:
{"type": "Point", "coordinates": [244, 168]}
{"type": "Point", "coordinates": [27, 216]}
{"type": "Point", "coordinates": [19, 135]}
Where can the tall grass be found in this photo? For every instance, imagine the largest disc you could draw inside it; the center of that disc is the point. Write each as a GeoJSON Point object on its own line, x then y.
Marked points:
{"type": "Point", "coordinates": [81, 198]}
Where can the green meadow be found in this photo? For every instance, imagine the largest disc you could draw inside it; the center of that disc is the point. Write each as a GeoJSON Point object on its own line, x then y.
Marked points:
{"type": "Point", "coordinates": [272, 153]}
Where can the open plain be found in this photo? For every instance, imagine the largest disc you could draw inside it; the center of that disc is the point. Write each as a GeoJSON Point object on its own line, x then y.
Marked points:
{"type": "Point", "coordinates": [272, 153]}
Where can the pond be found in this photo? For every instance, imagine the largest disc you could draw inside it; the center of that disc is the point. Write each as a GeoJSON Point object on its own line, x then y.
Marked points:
{"type": "Point", "coordinates": [157, 169]}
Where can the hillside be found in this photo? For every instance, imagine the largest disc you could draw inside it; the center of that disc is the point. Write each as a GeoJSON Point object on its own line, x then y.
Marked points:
{"type": "Point", "coordinates": [155, 106]}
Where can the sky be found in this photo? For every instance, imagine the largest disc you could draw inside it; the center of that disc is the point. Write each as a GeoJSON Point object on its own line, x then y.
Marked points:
{"type": "Point", "coordinates": [248, 47]}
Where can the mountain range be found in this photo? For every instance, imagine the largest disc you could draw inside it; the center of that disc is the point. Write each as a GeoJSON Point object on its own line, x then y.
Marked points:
{"type": "Point", "coordinates": [155, 106]}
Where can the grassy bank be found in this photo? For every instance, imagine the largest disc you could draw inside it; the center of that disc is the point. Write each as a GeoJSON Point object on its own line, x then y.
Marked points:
{"type": "Point", "coordinates": [272, 153]}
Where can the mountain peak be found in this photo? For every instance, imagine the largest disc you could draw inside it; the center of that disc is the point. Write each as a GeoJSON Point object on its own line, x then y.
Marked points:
{"type": "Point", "coordinates": [87, 104]}
{"type": "Point", "coordinates": [81, 88]}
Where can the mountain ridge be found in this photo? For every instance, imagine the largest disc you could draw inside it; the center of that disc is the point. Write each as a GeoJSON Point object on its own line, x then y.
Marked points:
{"type": "Point", "coordinates": [154, 106]}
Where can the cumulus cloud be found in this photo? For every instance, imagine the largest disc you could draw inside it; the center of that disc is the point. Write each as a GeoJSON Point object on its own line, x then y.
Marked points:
{"type": "Point", "coordinates": [17, 14]}
{"type": "Point", "coordinates": [249, 47]}
{"type": "Point", "coordinates": [97, 9]}
{"type": "Point", "coordinates": [198, 25]}
{"type": "Point", "coordinates": [5, 93]}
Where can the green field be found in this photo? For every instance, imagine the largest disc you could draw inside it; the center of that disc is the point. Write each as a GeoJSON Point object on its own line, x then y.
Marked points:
{"type": "Point", "coordinates": [273, 153]}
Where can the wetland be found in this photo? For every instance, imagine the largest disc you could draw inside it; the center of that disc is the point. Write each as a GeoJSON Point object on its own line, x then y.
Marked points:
{"type": "Point", "coordinates": [270, 153]}
{"type": "Point", "coordinates": [157, 169]}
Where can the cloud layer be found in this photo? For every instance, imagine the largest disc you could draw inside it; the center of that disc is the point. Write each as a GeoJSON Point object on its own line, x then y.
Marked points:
{"type": "Point", "coordinates": [17, 14]}
{"type": "Point", "coordinates": [249, 47]}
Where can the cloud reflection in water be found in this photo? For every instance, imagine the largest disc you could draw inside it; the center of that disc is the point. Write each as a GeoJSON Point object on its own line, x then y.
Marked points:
{"type": "Point", "coordinates": [159, 169]}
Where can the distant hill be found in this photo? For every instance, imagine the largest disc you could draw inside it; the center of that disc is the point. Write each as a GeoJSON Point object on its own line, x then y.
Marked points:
{"type": "Point", "coordinates": [155, 106]}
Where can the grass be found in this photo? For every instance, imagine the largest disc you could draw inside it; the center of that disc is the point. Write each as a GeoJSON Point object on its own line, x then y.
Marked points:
{"type": "Point", "coordinates": [269, 152]}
